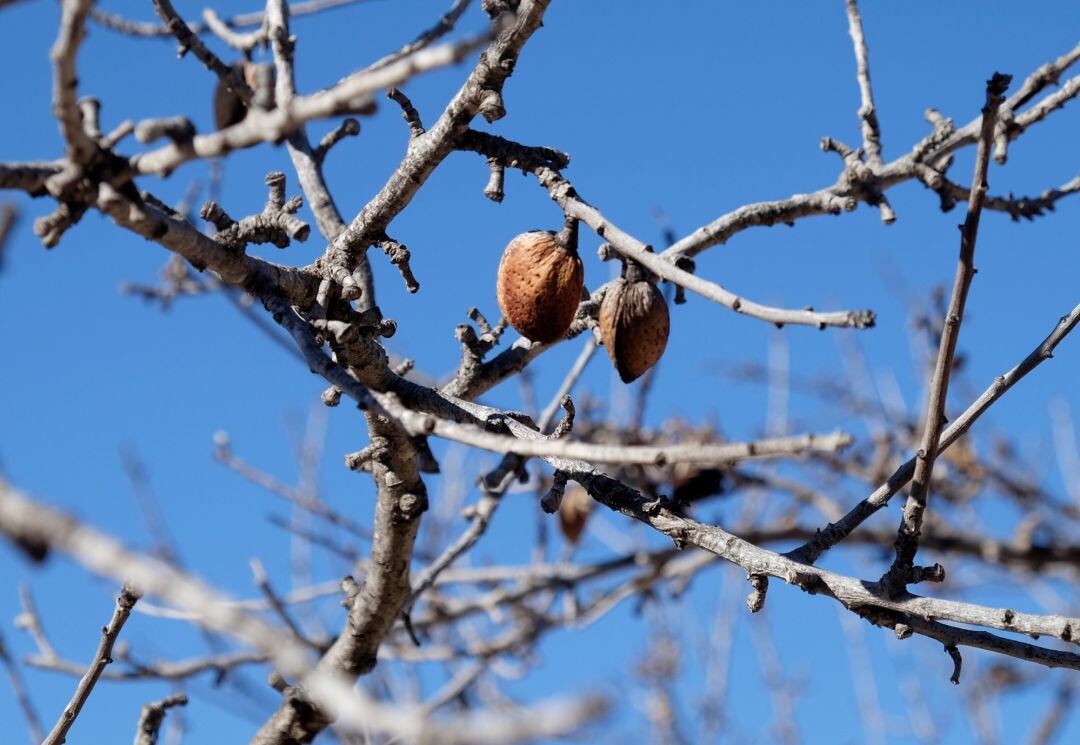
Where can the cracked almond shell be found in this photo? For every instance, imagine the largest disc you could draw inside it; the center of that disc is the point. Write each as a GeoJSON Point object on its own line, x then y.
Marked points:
{"type": "Point", "coordinates": [634, 324]}
{"type": "Point", "coordinates": [539, 286]}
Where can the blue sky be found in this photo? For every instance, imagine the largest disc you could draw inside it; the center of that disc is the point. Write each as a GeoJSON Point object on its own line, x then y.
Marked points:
{"type": "Point", "coordinates": [692, 108]}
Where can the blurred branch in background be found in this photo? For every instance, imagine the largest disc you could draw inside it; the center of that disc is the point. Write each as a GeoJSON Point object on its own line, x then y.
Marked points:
{"type": "Point", "coordinates": [8, 217]}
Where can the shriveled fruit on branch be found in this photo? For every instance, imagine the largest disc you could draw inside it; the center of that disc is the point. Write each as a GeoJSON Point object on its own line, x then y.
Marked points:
{"type": "Point", "coordinates": [574, 511]}
{"type": "Point", "coordinates": [634, 323]}
{"type": "Point", "coordinates": [540, 283]}
{"type": "Point", "coordinates": [228, 108]}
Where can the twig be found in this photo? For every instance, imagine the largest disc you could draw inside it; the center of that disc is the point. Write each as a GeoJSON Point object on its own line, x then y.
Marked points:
{"type": "Point", "coordinates": [240, 42]}
{"type": "Point", "coordinates": [124, 603]}
{"type": "Point", "coordinates": [420, 411]}
{"type": "Point", "coordinates": [348, 128]}
{"type": "Point", "coordinates": [871, 130]}
{"type": "Point", "coordinates": [178, 670]}
{"type": "Point", "coordinates": [634, 249]}
{"type": "Point", "coordinates": [1055, 716]}
{"type": "Point", "coordinates": [835, 532]}
{"type": "Point", "coordinates": [353, 96]}
{"type": "Point", "coordinates": [308, 162]}
{"type": "Point", "coordinates": [1015, 207]}
{"type": "Point", "coordinates": [495, 485]}
{"type": "Point", "coordinates": [845, 194]}
{"type": "Point", "coordinates": [9, 215]}
{"type": "Point", "coordinates": [150, 30]}
{"type": "Point", "coordinates": [782, 690]}
{"type": "Point", "coordinates": [149, 509]}
{"type": "Point", "coordinates": [65, 80]}
{"type": "Point", "coordinates": [425, 153]}
{"type": "Point", "coordinates": [258, 572]}
{"type": "Point", "coordinates": [152, 716]}
{"type": "Point", "coordinates": [190, 42]}
{"type": "Point", "coordinates": [545, 167]}
{"type": "Point", "coordinates": [863, 680]}
{"type": "Point", "coordinates": [408, 111]}
{"type": "Point", "coordinates": [224, 454]}
{"type": "Point", "coordinates": [30, 621]}
{"type": "Point", "coordinates": [22, 697]}
{"type": "Point", "coordinates": [455, 686]}
{"type": "Point", "coordinates": [659, 455]}
{"type": "Point", "coordinates": [443, 26]}
{"type": "Point", "coordinates": [101, 554]}
{"type": "Point", "coordinates": [907, 540]}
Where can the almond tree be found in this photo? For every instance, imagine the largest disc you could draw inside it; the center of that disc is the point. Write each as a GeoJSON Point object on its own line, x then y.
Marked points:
{"type": "Point", "coordinates": [430, 607]}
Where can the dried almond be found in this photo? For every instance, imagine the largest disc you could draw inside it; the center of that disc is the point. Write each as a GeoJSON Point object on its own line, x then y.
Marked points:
{"type": "Point", "coordinates": [574, 512]}
{"type": "Point", "coordinates": [634, 323]}
{"type": "Point", "coordinates": [228, 108]}
{"type": "Point", "coordinates": [540, 283]}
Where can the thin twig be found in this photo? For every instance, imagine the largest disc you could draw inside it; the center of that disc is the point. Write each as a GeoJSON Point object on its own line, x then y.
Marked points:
{"type": "Point", "coordinates": [495, 485]}
{"type": "Point", "coordinates": [9, 215]}
{"type": "Point", "coordinates": [443, 26]}
{"type": "Point", "coordinates": [837, 531]}
{"type": "Point", "coordinates": [258, 572]}
{"type": "Point", "coordinates": [907, 540]}
{"type": "Point", "coordinates": [124, 603]}
{"type": "Point", "coordinates": [152, 716]}
{"type": "Point", "coordinates": [871, 130]}
{"type": "Point", "coordinates": [22, 697]}
{"type": "Point", "coordinates": [150, 30]}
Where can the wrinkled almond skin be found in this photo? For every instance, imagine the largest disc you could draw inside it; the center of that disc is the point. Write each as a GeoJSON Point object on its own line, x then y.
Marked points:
{"type": "Point", "coordinates": [634, 324]}
{"type": "Point", "coordinates": [574, 513]}
{"type": "Point", "coordinates": [539, 286]}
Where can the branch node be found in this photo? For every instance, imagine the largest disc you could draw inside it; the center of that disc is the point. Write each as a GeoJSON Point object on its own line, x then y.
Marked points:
{"type": "Point", "coordinates": [566, 424]}
{"type": "Point", "coordinates": [958, 663]}
{"type": "Point", "coordinates": [399, 256]}
{"type": "Point", "coordinates": [52, 227]}
{"type": "Point", "coordinates": [755, 601]}
{"type": "Point", "coordinates": [491, 106]}
{"type": "Point", "coordinates": [179, 129]}
{"type": "Point", "coordinates": [550, 502]}
{"type": "Point", "coordinates": [408, 112]}
{"type": "Point", "coordinates": [935, 573]}
{"type": "Point", "coordinates": [331, 396]}
{"type": "Point", "coordinates": [348, 128]}
{"type": "Point", "coordinates": [496, 179]}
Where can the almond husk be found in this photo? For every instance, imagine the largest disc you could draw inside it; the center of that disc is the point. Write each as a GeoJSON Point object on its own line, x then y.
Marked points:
{"type": "Point", "coordinates": [539, 285]}
{"type": "Point", "coordinates": [574, 512]}
{"type": "Point", "coordinates": [634, 324]}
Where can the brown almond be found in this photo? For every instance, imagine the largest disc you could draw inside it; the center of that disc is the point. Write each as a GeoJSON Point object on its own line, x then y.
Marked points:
{"type": "Point", "coordinates": [540, 284]}
{"type": "Point", "coordinates": [574, 512]}
{"type": "Point", "coordinates": [634, 324]}
{"type": "Point", "coordinates": [228, 108]}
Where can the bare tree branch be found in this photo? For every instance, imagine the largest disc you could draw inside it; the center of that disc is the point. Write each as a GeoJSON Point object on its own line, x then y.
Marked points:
{"type": "Point", "coordinates": [838, 531]}
{"type": "Point", "coordinates": [480, 622]}
{"type": "Point", "coordinates": [871, 130]}
{"type": "Point", "coordinates": [22, 697]}
{"type": "Point", "coordinates": [152, 716]}
{"type": "Point", "coordinates": [156, 31]}
{"type": "Point", "coordinates": [907, 540]}
{"type": "Point", "coordinates": [128, 596]}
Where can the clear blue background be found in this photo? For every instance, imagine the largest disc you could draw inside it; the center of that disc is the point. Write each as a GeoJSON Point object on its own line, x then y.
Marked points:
{"type": "Point", "coordinates": [695, 108]}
